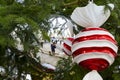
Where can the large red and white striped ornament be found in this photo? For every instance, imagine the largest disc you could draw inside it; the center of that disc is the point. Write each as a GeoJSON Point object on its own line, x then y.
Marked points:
{"type": "Point", "coordinates": [67, 46]}
{"type": "Point", "coordinates": [94, 48]}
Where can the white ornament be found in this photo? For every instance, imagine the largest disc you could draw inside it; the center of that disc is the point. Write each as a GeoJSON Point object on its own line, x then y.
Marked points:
{"type": "Point", "coordinates": [91, 15]}
{"type": "Point", "coordinates": [93, 75]}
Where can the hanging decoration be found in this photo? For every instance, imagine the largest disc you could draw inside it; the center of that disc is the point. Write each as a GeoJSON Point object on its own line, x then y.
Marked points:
{"type": "Point", "coordinates": [91, 15]}
{"type": "Point", "coordinates": [93, 48]}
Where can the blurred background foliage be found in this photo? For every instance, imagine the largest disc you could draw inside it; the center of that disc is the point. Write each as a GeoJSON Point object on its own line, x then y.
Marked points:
{"type": "Point", "coordinates": [28, 16]}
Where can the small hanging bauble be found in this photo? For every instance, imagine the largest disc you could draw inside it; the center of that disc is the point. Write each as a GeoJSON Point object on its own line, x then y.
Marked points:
{"type": "Point", "coordinates": [67, 46]}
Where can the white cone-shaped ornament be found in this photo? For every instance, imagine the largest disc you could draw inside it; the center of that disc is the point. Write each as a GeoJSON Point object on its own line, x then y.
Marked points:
{"type": "Point", "coordinates": [91, 15]}
{"type": "Point", "coordinates": [93, 75]}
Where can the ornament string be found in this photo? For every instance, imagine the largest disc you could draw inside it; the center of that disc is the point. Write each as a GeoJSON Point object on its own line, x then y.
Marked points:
{"type": "Point", "coordinates": [90, 1]}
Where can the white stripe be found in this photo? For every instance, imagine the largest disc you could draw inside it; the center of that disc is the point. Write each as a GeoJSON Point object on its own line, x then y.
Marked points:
{"type": "Point", "coordinates": [86, 56]}
{"type": "Point", "coordinates": [93, 32]}
{"type": "Point", "coordinates": [68, 42]}
{"type": "Point", "coordinates": [94, 43]}
{"type": "Point", "coordinates": [67, 51]}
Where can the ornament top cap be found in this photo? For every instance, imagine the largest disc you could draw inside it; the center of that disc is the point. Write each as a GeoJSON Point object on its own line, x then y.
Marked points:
{"type": "Point", "coordinates": [91, 15]}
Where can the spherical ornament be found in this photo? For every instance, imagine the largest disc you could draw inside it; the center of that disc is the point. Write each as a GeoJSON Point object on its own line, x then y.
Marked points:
{"type": "Point", "coordinates": [67, 46]}
{"type": "Point", "coordinates": [94, 48]}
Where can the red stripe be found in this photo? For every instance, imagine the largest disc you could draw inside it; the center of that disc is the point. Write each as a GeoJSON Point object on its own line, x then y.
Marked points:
{"type": "Point", "coordinates": [95, 64]}
{"type": "Point", "coordinates": [67, 46]}
{"type": "Point", "coordinates": [87, 50]}
{"type": "Point", "coordinates": [70, 39]}
{"type": "Point", "coordinates": [91, 29]}
{"type": "Point", "coordinates": [94, 37]}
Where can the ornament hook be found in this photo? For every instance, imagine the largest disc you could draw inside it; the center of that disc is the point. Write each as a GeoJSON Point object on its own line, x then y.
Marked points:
{"type": "Point", "coordinates": [90, 1]}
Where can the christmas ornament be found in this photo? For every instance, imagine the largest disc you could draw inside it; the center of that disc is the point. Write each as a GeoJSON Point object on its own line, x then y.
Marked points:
{"type": "Point", "coordinates": [70, 28]}
{"type": "Point", "coordinates": [67, 46]}
{"type": "Point", "coordinates": [93, 48]}
{"type": "Point", "coordinates": [91, 15]}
